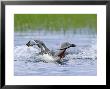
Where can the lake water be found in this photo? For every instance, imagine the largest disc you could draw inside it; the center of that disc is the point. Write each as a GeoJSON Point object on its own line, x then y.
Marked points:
{"type": "Point", "coordinates": [81, 60]}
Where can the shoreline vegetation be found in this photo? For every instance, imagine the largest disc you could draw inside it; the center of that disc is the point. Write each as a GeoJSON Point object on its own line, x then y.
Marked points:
{"type": "Point", "coordinates": [54, 22]}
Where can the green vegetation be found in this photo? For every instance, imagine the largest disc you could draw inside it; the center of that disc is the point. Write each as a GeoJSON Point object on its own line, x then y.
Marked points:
{"type": "Point", "coordinates": [54, 22]}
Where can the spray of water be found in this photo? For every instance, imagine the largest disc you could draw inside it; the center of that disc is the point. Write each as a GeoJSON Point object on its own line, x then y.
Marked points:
{"type": "Point", "coordinates": [24, 53]}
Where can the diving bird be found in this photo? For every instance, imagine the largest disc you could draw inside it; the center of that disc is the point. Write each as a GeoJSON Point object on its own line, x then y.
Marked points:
{"type": "Point", "coordinates": [64, 46]}
{"type": "Point", "coordinates": [40, 44]}
{"type": "Point", "coordinates": [51, 55]}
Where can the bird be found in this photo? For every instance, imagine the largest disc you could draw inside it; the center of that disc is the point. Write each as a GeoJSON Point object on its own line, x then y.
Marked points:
{"type": "Point", "coordinates": [50, 55]}
{"type": "Point", "coordinates": [40, 44]}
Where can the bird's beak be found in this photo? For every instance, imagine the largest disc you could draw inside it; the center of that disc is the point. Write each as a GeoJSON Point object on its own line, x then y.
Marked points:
{"type": "Point", "coordinates": [27, 45]}
{"type": "Point", "coordinates": [72, 45]}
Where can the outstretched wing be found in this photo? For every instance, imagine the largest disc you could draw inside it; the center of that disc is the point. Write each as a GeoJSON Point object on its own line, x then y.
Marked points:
{"type": "Point", "coordinates": [46, 50]}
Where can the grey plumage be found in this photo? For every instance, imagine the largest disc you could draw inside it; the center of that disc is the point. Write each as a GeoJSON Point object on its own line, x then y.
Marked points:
{"type": "Point", "coordinates": [44, 50]}
{"type": "Point", "coordinates": [40, 44]}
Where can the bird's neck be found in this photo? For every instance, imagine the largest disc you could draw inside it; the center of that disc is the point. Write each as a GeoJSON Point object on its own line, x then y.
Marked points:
{"type": "Point", "coordinates": [62, 53]}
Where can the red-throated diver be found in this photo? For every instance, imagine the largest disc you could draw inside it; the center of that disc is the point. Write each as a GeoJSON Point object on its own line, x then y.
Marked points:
{"type": "Point", "coordinates": [50, 55]}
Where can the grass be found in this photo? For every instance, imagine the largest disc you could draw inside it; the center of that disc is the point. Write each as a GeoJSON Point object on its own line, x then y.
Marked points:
{"type": "Point", "coordinates": [54, 22]}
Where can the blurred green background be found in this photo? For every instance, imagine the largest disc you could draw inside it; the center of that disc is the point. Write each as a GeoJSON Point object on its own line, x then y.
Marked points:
{"type": "Point", "coordinates": [54, 22]}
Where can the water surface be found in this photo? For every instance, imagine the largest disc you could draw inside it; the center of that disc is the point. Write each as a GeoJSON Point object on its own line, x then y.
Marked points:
{"type": "Point", "coordinates": [81, 60]}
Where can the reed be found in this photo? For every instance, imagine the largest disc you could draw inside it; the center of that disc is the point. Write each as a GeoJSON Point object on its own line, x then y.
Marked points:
{"type": "Point", "coordinates": [54, 22]}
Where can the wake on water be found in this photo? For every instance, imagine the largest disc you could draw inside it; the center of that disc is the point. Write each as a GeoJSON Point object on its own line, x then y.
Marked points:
{"type": "Point", "coordinates": [24, 53]}
{"type": "Point", "coordinates": [80, 61]}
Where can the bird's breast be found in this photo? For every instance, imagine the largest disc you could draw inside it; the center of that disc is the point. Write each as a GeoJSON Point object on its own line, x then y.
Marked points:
{"type": "Point", "coordinates": [61, 54]}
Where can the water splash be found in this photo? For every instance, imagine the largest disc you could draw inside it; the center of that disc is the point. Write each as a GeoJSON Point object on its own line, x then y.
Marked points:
{"type": "Point", "coordinates": [23, 53]}
{"type": "Point", "coordinates": [80, 60]}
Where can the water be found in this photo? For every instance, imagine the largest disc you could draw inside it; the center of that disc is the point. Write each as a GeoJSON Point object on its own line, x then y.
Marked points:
{"type": "Point", "coordinates": [81, 60]}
